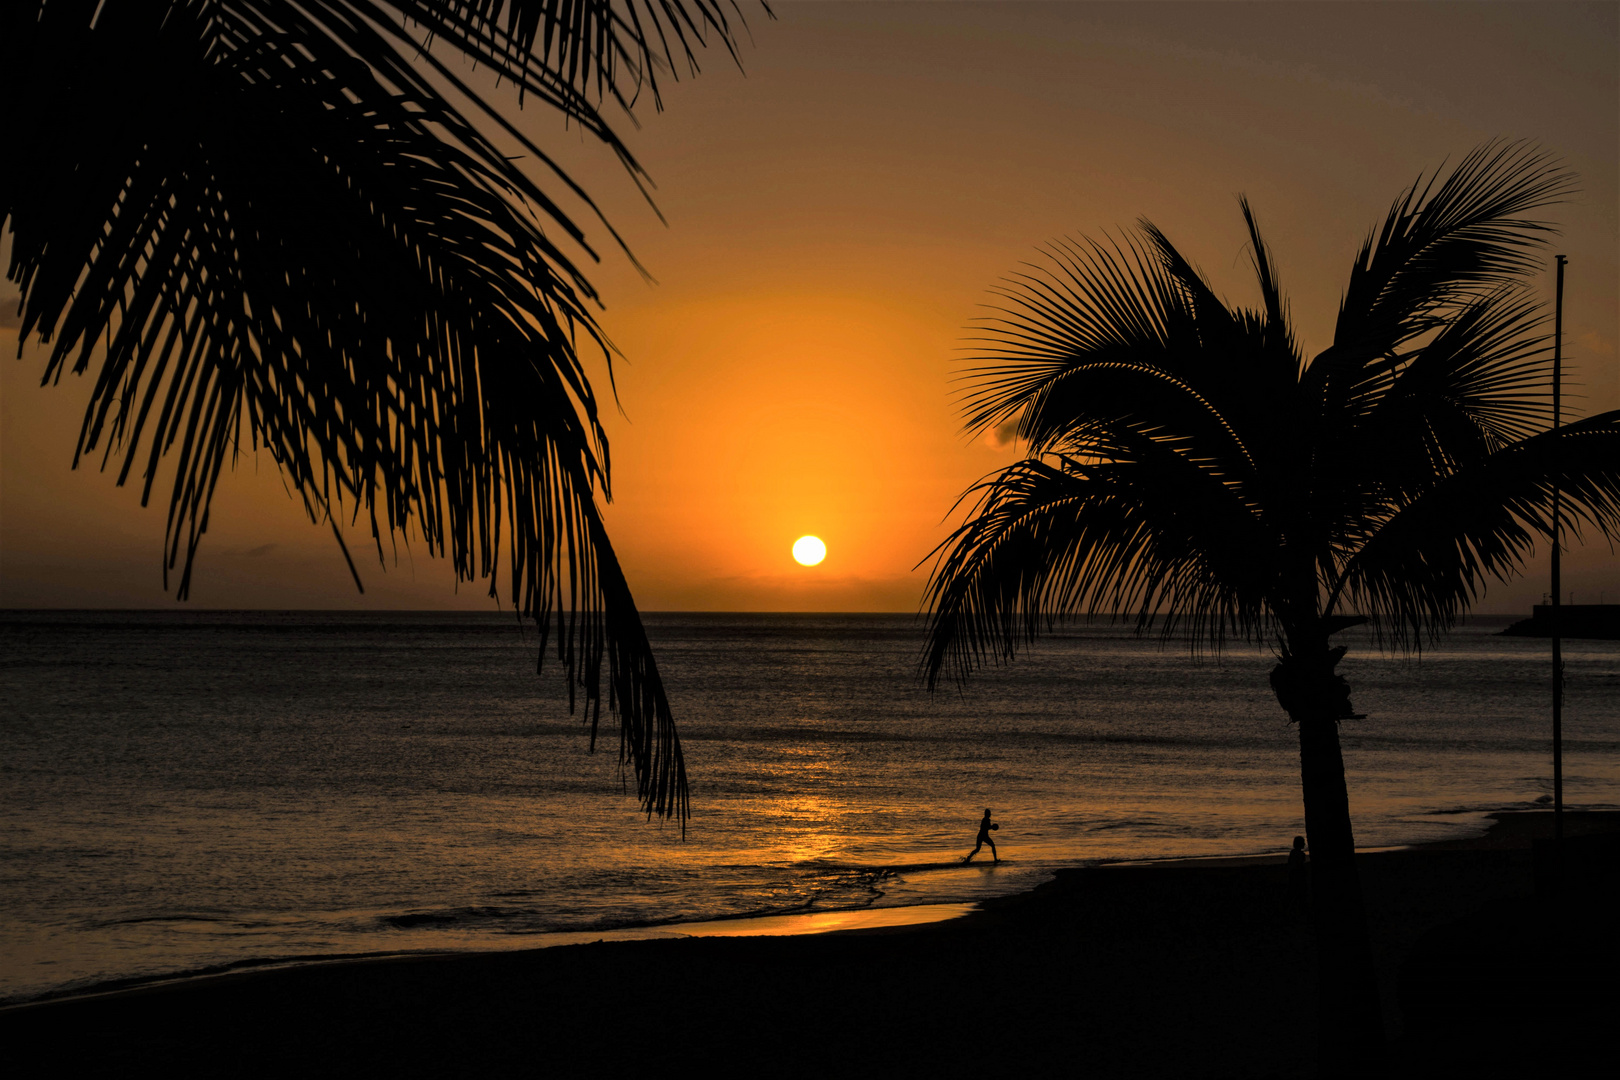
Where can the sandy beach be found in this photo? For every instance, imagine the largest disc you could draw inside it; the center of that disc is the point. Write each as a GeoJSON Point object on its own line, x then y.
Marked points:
{"type": "Point", "coordinates": [1195, 969]}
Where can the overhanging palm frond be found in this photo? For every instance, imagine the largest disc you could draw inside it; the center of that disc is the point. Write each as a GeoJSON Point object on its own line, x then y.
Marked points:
{"type": "Point", "coordinates": [597, 49]}
{"type": "Point", "coordinates": [573, 55]}
{"type": "Point", "coordinates": [261, 226]}
{"type": "Point", "coordinates": [1423, 564]}
{"type": "Point", "coordinates": [1145, 532]}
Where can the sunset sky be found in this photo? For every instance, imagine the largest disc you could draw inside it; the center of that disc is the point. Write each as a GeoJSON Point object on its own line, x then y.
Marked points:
{"type": "Point", "coordinates": [836, 214]}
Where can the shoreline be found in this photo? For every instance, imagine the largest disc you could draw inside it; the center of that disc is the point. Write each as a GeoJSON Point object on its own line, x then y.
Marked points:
{"type": "Point", "coordinates": [1135, 970]}
{"type": "Point", "coordinates": [788, 924]}
{"type": "Point", "coordinates": [896, 917]}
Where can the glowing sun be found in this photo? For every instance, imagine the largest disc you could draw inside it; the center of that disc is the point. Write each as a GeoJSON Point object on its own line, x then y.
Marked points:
{"type": "Point", "coordinates": [809, 550]}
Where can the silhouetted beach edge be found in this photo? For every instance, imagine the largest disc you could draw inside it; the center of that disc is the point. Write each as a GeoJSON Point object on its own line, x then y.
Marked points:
{"type": "Point", "coordinates": [1193, 968]}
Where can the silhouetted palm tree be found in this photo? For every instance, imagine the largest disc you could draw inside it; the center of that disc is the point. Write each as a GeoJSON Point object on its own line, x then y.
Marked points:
{"type": "Point", "coordinates": [1187, 464]}
{"type": "Point", "coordinates": [288, 224]}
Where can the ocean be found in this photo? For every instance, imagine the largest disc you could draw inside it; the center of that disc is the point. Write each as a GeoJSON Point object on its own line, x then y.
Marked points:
{"type": "Point", "coordinates": [196, 791]}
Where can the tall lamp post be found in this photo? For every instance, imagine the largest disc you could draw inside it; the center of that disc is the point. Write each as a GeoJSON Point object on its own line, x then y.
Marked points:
{"type": "Point", "coordinates": [1557, 584]}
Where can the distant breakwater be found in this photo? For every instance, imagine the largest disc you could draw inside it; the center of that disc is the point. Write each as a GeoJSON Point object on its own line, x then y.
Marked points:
{"type": "Point", "coordinates": [1601, 621]}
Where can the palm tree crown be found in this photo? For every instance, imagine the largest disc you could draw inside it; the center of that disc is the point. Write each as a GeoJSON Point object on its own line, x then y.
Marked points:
{"type": "Point", "coordinates": [276, 224]}
{"type": "Point", "coordinates": [1188, 464]}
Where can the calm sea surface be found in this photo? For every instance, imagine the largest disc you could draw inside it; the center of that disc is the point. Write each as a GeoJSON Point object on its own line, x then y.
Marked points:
{"type": "Point", "coordinates": [184, 791]}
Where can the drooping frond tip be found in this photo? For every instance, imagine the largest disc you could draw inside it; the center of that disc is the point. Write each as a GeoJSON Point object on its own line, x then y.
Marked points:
{"type": "Point", "coordinates": [577, 54]}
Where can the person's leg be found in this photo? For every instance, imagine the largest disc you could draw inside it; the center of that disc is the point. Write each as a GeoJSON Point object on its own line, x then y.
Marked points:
{"type": "Point", "coordinates": [974, 852]}
{"type": "Point", "coordinates": [992, 844]}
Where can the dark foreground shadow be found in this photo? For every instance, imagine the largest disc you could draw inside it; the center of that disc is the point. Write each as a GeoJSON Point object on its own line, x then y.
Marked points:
{"type": "Point", "coordinates": [1527, 986]}
{"type": "Point", "coordinates": [1107, 973]}
{"type": "Point", "coordinates": [1178, 971]}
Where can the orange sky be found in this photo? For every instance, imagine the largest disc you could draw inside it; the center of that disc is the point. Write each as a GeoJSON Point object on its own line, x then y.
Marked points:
{"type": "Point", "coordinates": [835, 219]}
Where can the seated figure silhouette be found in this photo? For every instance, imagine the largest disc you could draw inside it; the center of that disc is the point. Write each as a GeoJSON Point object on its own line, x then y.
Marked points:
{"type": "Point", "coordinates": [1299, 877]}
{"type": "Point", "coordinates": [985, 825]}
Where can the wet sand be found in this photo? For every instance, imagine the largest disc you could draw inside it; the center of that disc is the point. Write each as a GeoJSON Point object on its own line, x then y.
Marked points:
{"type": "Point", "coordinates": [1167, 970]}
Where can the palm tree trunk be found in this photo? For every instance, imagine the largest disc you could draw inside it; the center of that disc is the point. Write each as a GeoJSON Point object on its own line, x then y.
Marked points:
{"type": "Point", "coordinates": [1350, 1018]}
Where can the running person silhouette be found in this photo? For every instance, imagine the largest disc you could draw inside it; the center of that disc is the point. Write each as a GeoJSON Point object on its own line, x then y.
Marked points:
{"type": "Point", "coordinates": [985, 826]}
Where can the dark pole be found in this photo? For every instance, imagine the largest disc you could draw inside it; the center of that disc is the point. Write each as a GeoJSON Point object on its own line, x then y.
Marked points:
{"type": "Point", "coordinates": [1557, 584]}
